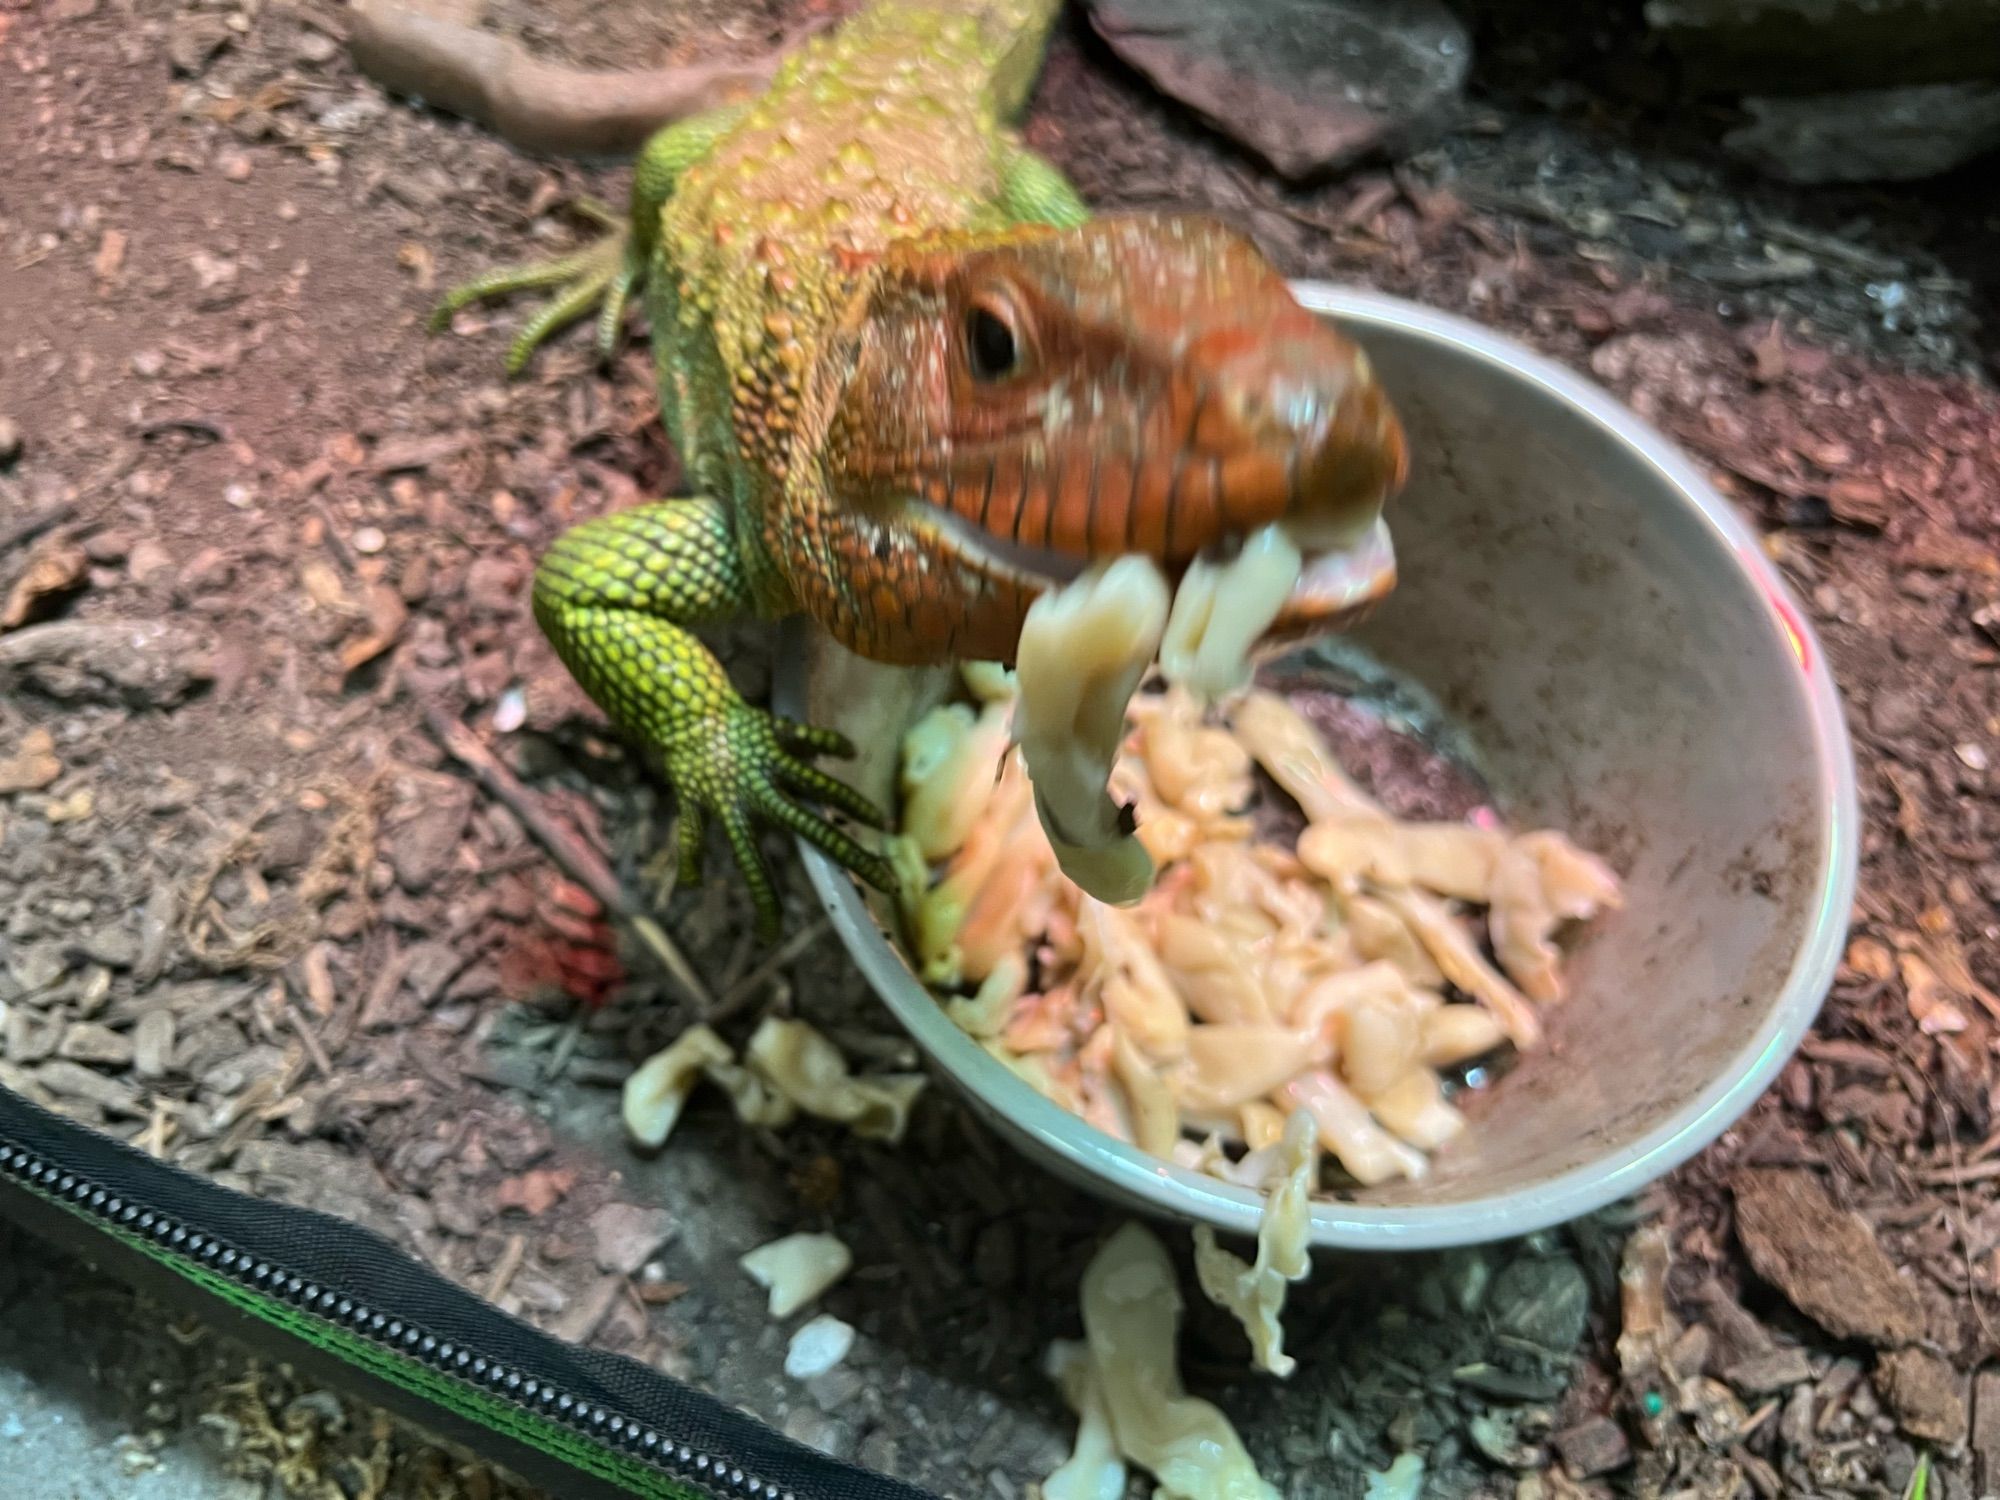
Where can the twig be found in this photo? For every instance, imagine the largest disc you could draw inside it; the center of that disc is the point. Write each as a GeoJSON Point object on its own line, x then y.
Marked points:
{"type": "Point", "coordinates": [746, 989]}
{"type": "Point", "coordinates": [307, 1035]}
{"type": "Point", "coordinates": [511, 1256]}
{"type": "Point", "coordinates": [579, 860]}
{"type": "Point", "coordinates": [437, 53]}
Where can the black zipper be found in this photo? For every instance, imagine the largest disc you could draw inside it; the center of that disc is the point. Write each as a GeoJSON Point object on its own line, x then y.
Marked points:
{"type": "Point", "coordinates": [502, 1397]}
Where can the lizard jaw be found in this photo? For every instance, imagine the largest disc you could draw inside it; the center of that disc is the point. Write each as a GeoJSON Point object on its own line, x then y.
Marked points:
{"type": "Point", "coordinates": [1342, 573]}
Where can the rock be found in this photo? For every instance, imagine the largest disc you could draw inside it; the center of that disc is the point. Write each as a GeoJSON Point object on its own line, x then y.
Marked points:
{"type": "Point", "coordinates": [420, 850]}
{"type": "Point", "coordinates": [1545, 1301]}
{"type": "Point", "coordinates": [32, 766]}
{"type": "Point", "coordinates": [493, 584]}
{"type": "Point", "coordinates": [1925, 1393]}
{"type": "Point", "coordinates": [316, 48]}
{"type": "Point", "coordinates": [1896, 713]}
{"type": "Point", "coordinates": [141, 663]}
{"type": "Point", "coordinates": [10, 440]}
{"type": "Point", "coordinates": [193, 39]}
{"type": "Point", "coordinates": [93, 1042]}
{"type": "Point", "coordinates": [817, 1347]}
{"type": "Point", "coordinates": [1870, 135]}
{"type": "Point", "coordinates": [71, 1080]}
{"type": "Point", "coordinates": [1825, 1261]}
{"type": "Point", "coordinates": [1594, 1447]}
{"type": "Point", "coordinates": [1308, 85]}
{"type": "Point", "coordinates": [1819, 45]}
{"type": "Point", "coordinates": [1769, 1373]}
{"type": "Point", "coordinates": [627, 1236]}
{"type": "Point", "coordinates": [115, 946]}
{"type": "Point", "coordinates": [153, 1043]}
{"type": "Point", "coordinates": [808, 1425]}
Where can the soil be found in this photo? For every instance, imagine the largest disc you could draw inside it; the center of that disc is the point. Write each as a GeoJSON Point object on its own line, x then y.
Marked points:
{"type": "Point", "coordinates": [260, 535]}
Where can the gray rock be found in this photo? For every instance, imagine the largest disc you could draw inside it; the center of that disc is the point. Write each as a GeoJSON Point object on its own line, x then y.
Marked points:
{"type": "Point", "coordinates": [627, 1235]}
{"type": "Point", "coordinates": [1544, 1301]}
{"type": "Point", "coordinates": [1308, 85]}
{"type": "Point", "coordinates": [153, 1043]}
{"type": "Point", "coordinates": [1821, 45]}
{"type": "Point", "coordinates": [1870, 135]}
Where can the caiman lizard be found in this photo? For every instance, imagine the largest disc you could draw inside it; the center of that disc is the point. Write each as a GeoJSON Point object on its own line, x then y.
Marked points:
{"type": "Point", "coordinates": [914, 383]}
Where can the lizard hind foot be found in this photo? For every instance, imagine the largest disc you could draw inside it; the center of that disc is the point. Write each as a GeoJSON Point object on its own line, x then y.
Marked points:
{"type": "Point", "coordinates": [602, 275]}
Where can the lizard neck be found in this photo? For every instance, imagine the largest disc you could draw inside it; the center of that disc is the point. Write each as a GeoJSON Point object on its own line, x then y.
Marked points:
{"type": "Point", "coordinates": [1014, 37]}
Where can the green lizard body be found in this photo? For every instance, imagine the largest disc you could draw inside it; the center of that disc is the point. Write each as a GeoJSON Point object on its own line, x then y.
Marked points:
{"type": "Point", "coordinates": [914, 383]}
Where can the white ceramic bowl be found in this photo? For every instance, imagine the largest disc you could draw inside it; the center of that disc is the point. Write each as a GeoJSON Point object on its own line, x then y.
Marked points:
{"type": "Point", "coordinates": [1608, 638]}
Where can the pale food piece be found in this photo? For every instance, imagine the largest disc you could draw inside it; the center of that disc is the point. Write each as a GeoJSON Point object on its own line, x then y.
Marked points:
{"type": "Point", "coordinates": [1155, 1117]}
{"type": "Point", "coordinates": [1093, 1470]}
{"type": "Point", "coordinates": [1463, 964]}
{"type": "Point", "coordinates": [985, 1014]}
{"type": "Point", "coordinates": [1292, 754]}
{"type": "Point", "coordinates": [809, 1070]}
{"type": "Point", "coordinates": [941, 910]}
{"type": "Point", "coordinates": [797, 1269]}
{"type": "Point", "coordinates": [1131, 1320]}
{"type": "Point", "coordinates": [1542, 881]}
{"type": "Point", "coordinates": [657, 1090]}
{"type": "Point", "coordinates": [1415, 1108]}
{"type": "Point", "coordinates": [1452, 859]}
{"type": "Point", "coordinates": [1214, 974]}
{"type": "Point", "coordinates": [1369, 1153]}
{"type": "Point", "coordinates": [1136, 992]}
{"type": "Point", "coordinates": [1381, 1037]}
{"type": "Point", "coordinates": [1455, 1034]}
{"type": "Point", "coordinates": [1255, 1293]}
{"type": "Point", "coordinates": [1250, 983]}
{"type": "Point", "coordinates": [949, 760]}
{"type": "Point", "coordinates": [1222, 609]}
{"type": "Point", "coordinates": [988, 681]}
{"type": "Point", "coordinates": [1380, 933]}
{"type": "Point", "coordinates": [1083, 649]}
{"type": "Point", "coordinates": [1229, 1067]}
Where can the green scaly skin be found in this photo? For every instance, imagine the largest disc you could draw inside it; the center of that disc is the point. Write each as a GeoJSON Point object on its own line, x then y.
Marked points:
{"type": "Point", "coordinates": [617, 596]}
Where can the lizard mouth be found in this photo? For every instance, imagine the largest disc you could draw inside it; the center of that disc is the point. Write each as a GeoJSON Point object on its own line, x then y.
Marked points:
{"type": "Point", "coordinates": [1279, 585]}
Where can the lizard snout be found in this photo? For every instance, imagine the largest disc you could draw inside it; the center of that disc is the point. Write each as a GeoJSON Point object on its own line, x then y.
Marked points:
{"type": "Point", "coordinates": [1296, 427]}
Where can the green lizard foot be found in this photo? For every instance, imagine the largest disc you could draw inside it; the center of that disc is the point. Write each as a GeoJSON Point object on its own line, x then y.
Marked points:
{"type": "Point", "coordinates": [605, 274]}
{"type": "Point", "coordinates": [744, 765]}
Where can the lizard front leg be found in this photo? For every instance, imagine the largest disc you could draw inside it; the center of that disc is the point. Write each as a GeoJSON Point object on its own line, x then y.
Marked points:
{"type": "Point", "coordinates": [617, 597]}
{"type": "Point", "coordinates": [608, 272]}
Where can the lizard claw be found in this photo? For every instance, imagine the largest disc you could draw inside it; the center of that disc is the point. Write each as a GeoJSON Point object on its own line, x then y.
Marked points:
{"type": "Point", "coordinates": [606, 274]}
{"type": "Point", "coordinates": [750, 767]}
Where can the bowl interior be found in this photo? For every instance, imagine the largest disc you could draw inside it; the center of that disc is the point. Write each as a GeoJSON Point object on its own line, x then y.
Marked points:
{"type": "Point", "coordinates": [1621, 664]}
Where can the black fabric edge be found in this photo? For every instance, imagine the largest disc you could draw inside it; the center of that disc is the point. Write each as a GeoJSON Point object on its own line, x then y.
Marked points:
{"type": "Point", "coordinates": [360, 1263]}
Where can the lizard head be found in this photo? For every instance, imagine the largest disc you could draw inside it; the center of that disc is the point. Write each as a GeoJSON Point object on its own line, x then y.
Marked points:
{"type": "Point", "coordinates": [1016, 406]}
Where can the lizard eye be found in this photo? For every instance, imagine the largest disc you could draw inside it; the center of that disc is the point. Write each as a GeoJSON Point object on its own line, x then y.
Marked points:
{"type": "Point", "coordinates": [989, 345]}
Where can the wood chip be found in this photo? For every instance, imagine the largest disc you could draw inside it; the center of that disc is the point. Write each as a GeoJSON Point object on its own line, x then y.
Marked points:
{"type": "Point", "coordinates": [1826, 1262]}
{"type": "Point", "coordinates": [1925, 1393]}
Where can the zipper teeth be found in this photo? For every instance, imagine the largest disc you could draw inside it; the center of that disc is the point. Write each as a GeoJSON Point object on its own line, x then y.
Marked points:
{"type": "Point", "coordinates": [583, 1418]}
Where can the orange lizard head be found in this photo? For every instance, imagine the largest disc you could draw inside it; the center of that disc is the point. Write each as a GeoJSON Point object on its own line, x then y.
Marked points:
{"type": "Point", "coordinates": [1022, 404]}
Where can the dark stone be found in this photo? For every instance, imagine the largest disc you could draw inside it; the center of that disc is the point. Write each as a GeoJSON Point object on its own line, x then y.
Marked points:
{"type": "Point", "coordinates": [1545, 1301]}
{"type": "Point", "coordinates": [1870, 135]}
{"type": "Point", "coordinates": [1594, 1447]}
{"type": "Point", "coordinates": [1820, 45]}
{"type": "Point", "coordinates": [1310, 86]}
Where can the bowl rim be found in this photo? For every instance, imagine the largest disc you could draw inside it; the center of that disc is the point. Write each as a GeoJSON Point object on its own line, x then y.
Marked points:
{"type": "Point", "coordinates": [1179, 1193]}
